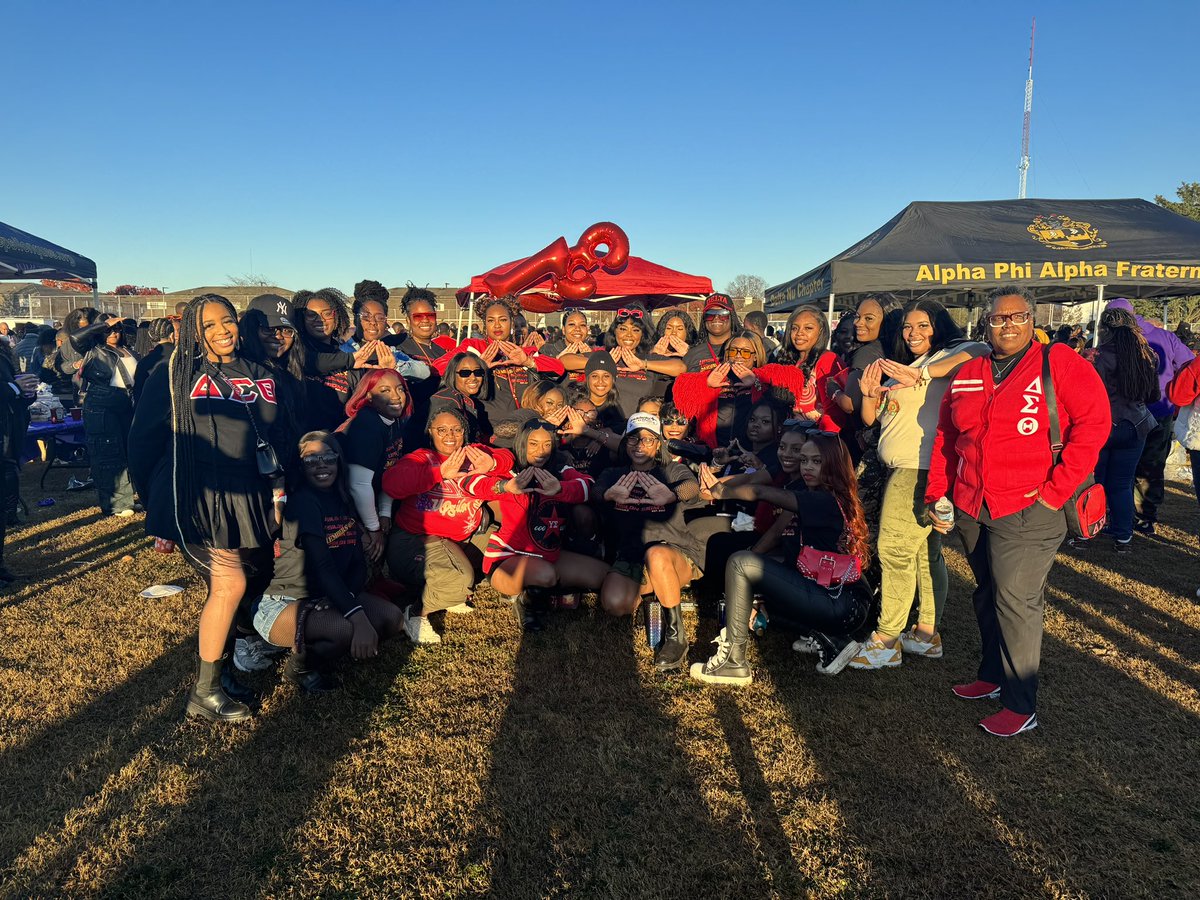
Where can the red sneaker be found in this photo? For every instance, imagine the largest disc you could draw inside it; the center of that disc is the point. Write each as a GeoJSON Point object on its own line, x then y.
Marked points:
{"type": "Point", "coordinates": [977, 690]}
{"type": "Point", "coordinates": [1007, 723]}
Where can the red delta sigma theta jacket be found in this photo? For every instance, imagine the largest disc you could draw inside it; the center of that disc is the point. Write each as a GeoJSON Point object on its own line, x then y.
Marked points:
{"type": "Point", "coordinates": [993, 442]}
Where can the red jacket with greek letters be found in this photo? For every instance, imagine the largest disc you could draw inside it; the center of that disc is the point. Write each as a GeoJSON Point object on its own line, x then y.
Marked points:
{"type": "Point", "coordinates": [993, 442]}
{"type": "Point", "coordinates": [429, 504]}
{"type": "Point", "coordinates": [530, 524]}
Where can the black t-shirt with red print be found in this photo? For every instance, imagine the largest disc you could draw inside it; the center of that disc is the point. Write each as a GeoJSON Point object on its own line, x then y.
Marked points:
{"type": "Point", "coordinates": [373, 442]}
{"type": "Point", "coordinates": [636, 525]}
{"type": "Point", "coordinates": [319, 554]}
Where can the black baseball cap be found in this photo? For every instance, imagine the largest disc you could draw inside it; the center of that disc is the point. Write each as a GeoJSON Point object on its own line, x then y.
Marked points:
{"type": "Point", "coordinates": [276, 309]}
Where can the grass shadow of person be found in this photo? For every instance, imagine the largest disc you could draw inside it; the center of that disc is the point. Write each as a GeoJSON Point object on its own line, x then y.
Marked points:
{"type": "Point", "coordinates": [211, 810]}
{"type": "Point", "coordinates": [1040, 814]}
{"type": "Point", "coordinates": [589, 793]}
{"type": "Point", "coordinates": [68, 763]}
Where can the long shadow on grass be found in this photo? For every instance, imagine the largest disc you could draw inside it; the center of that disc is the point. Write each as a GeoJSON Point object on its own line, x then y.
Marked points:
{"type": "Point", "coordinates": [21, 538]}
{"type": "Point", "coordinates": [77, 568]}
{"type": "Point", "coordinates": [78, 560]}
{"type": "Point", "coordinates": [588, 795]}
{"type": "Point", "coordinates": [43, 780]}
{"type": "Point", "coordinates": [245, 797]}
{"type": "Point", "coordinates": [942, 809]}
{"type": "Point", "coordinates": [1118, 608]}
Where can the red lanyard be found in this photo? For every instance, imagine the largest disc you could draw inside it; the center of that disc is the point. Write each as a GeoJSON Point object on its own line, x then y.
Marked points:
{"type": "Point", "coordinates": [421, 350]}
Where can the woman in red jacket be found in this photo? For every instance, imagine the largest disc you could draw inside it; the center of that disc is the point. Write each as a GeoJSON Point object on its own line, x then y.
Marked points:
{"type": "Point", "coordinates": [992, 457]}
{"type": "Point", "coordinates": [429, 546]}
{"type": "Point", "coordinates": [524, 557]}
{"type": "Point", "coordinates": [721, 399]}
{"type": "Point", "coordinates": [1184, 392]}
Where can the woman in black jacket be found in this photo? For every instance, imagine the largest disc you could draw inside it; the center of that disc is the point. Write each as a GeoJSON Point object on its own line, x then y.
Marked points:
{"type": "Point", "coordinates": [161, 333]}
{"type": "Point", "coordinates": [107, 377]}
{"type": "Point", "coordinates": [331, 374]}
{"type": "Point", "coordinates": [467, 385]}
{"type": "Point", "coordinates": [201, 451]}
{"type": "Point", "coordinates": [16, 393]}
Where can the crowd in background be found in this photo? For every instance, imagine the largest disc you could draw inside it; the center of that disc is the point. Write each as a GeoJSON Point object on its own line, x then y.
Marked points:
{"type": "Point", "coordinates": [339, 479]}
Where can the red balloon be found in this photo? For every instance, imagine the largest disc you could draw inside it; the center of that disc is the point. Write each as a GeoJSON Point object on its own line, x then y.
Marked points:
{"type": "Point", "coordinates": [575, 285]}
{"type": "Point", "coordinates": [569, 267]}
{"type": "Point", "coordinates": [554, 260]}
{"type": "Point", "coordinates": [540, 303]}
{"type": "Point", "coordinates": [608, 234]}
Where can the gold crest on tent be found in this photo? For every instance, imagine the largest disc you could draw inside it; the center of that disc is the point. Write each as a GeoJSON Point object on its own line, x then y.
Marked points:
{"type": "Point", "coordinates": [1065, 233]}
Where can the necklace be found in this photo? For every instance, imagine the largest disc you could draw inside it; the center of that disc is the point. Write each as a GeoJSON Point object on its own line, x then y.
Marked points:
{"type": "Point", "coordinates": [998, 372]}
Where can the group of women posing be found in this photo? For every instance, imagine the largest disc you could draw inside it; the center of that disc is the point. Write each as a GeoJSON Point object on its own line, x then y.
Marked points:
{"type": "Point", "coordinates": [390, 475]}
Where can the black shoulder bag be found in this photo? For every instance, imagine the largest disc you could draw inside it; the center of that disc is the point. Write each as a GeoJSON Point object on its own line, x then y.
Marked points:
{"type": "Point", "coordinates": [1087, 510]}
{"type": "Point", "coordinates": [264, 453]}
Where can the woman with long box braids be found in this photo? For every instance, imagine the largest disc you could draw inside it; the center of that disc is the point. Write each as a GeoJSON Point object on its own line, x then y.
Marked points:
{"type": "Point", "coordinates": [201, 448]}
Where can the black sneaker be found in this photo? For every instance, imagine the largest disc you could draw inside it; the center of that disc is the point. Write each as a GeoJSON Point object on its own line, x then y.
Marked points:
{"type": "Point", "coordinates": [1143, 526]}
{"type": "Point", "coordinates": [833, 652]}
{"type": "Point", "coordinates": [1123, 546]}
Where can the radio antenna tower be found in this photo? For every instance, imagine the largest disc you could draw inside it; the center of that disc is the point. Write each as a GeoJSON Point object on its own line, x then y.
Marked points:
{"type": "Point", "coordinates": [1024, 165]}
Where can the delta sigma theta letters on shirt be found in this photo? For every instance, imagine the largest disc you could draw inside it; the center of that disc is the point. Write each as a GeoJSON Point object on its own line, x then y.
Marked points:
{"type": "Point", "coordinates": [239, 390]}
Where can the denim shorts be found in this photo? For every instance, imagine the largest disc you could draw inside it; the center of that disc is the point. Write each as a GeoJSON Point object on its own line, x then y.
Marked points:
{"type": "Point", "coordinates": [266, 610]}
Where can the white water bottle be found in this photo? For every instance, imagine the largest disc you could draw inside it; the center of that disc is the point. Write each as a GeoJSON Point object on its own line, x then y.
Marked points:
{"type": "Point", "coordinates": [944, 510]}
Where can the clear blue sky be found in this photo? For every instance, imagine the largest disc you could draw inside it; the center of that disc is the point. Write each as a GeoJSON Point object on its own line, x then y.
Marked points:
{"type": "Point", "coordinates": [175, 142]}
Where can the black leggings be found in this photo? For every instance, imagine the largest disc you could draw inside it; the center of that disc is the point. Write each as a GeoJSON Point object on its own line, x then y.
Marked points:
{"type": "Point", "coordinates": [792, 600]}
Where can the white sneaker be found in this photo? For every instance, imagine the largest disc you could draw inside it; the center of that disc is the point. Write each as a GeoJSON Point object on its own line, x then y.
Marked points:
{"type": "Point", "coordinates": [877, 655]}
{"type": "Point", "coordinates": [419, 630]}
{"type": "Point", "coordinates": [248, 655]}
{"type": "Point", "coordinates": [915, 645]}
{"type": "Point", "coordinates": [124, 514]}
{"type": "Point", "coordinates": [461, 609]}
{"type": "Point", "coordinates": [806, 645]}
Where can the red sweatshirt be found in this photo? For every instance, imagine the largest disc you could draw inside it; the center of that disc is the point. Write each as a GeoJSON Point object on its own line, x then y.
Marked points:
{"type": "Point", "coordinates": [548, 364]}
{"type": "Point", "coordinates": [1185, 386]}
{"type": "Point", "coordinates": [695, 399]}
{"type": "Point", "coordinates": [430, 505]}
{"type": "Point", "coordinates": [993, 443]}
{"type": "Point", "coordinates": [530, 524]}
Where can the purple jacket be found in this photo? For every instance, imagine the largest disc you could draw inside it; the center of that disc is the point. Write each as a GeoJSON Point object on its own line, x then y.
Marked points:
{"type": "Point", "coordinates": [1173, 355]}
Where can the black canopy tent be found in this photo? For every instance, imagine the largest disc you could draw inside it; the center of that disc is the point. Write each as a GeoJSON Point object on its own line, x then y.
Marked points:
{"type": "Point", "coordinates": [26, 256]}
{"type": "Point", "coordinates": [1066, 251]}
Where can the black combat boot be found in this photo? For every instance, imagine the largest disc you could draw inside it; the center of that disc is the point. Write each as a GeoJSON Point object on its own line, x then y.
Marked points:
{"type": "Point", "coordinates": [672, 652]}
{"type": "Point", "coordinates": [208, 701]}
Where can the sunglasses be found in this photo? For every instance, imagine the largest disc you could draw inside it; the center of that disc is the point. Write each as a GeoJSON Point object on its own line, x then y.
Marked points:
{"type": "Point", "coordinates": [716, 312]}
{"type": "Point", "coordinates": [423, 317]}
{"type": "Point", "coordinates": [469, 373]}
{"type": "Point", "coordinates": [624, 313]}
{"type": "Point", "coordinates": [740, 353]}
{"type": "Point", "coordinates": [675, 420]}
{"type": "Point", "coordinates": [320, 459]}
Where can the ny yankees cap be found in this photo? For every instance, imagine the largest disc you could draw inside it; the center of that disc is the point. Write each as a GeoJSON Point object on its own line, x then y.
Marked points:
{"type": "Point", "coordinates": [278, 310]}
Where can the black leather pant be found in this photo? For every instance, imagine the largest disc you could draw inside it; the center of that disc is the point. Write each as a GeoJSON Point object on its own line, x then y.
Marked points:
{"type": "Point", "coordinates": [792, 600]}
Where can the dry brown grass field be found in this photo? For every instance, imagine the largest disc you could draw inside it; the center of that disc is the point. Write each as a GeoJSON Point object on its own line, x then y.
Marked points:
{"type": "Point", "coordinates": [561, 765]}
